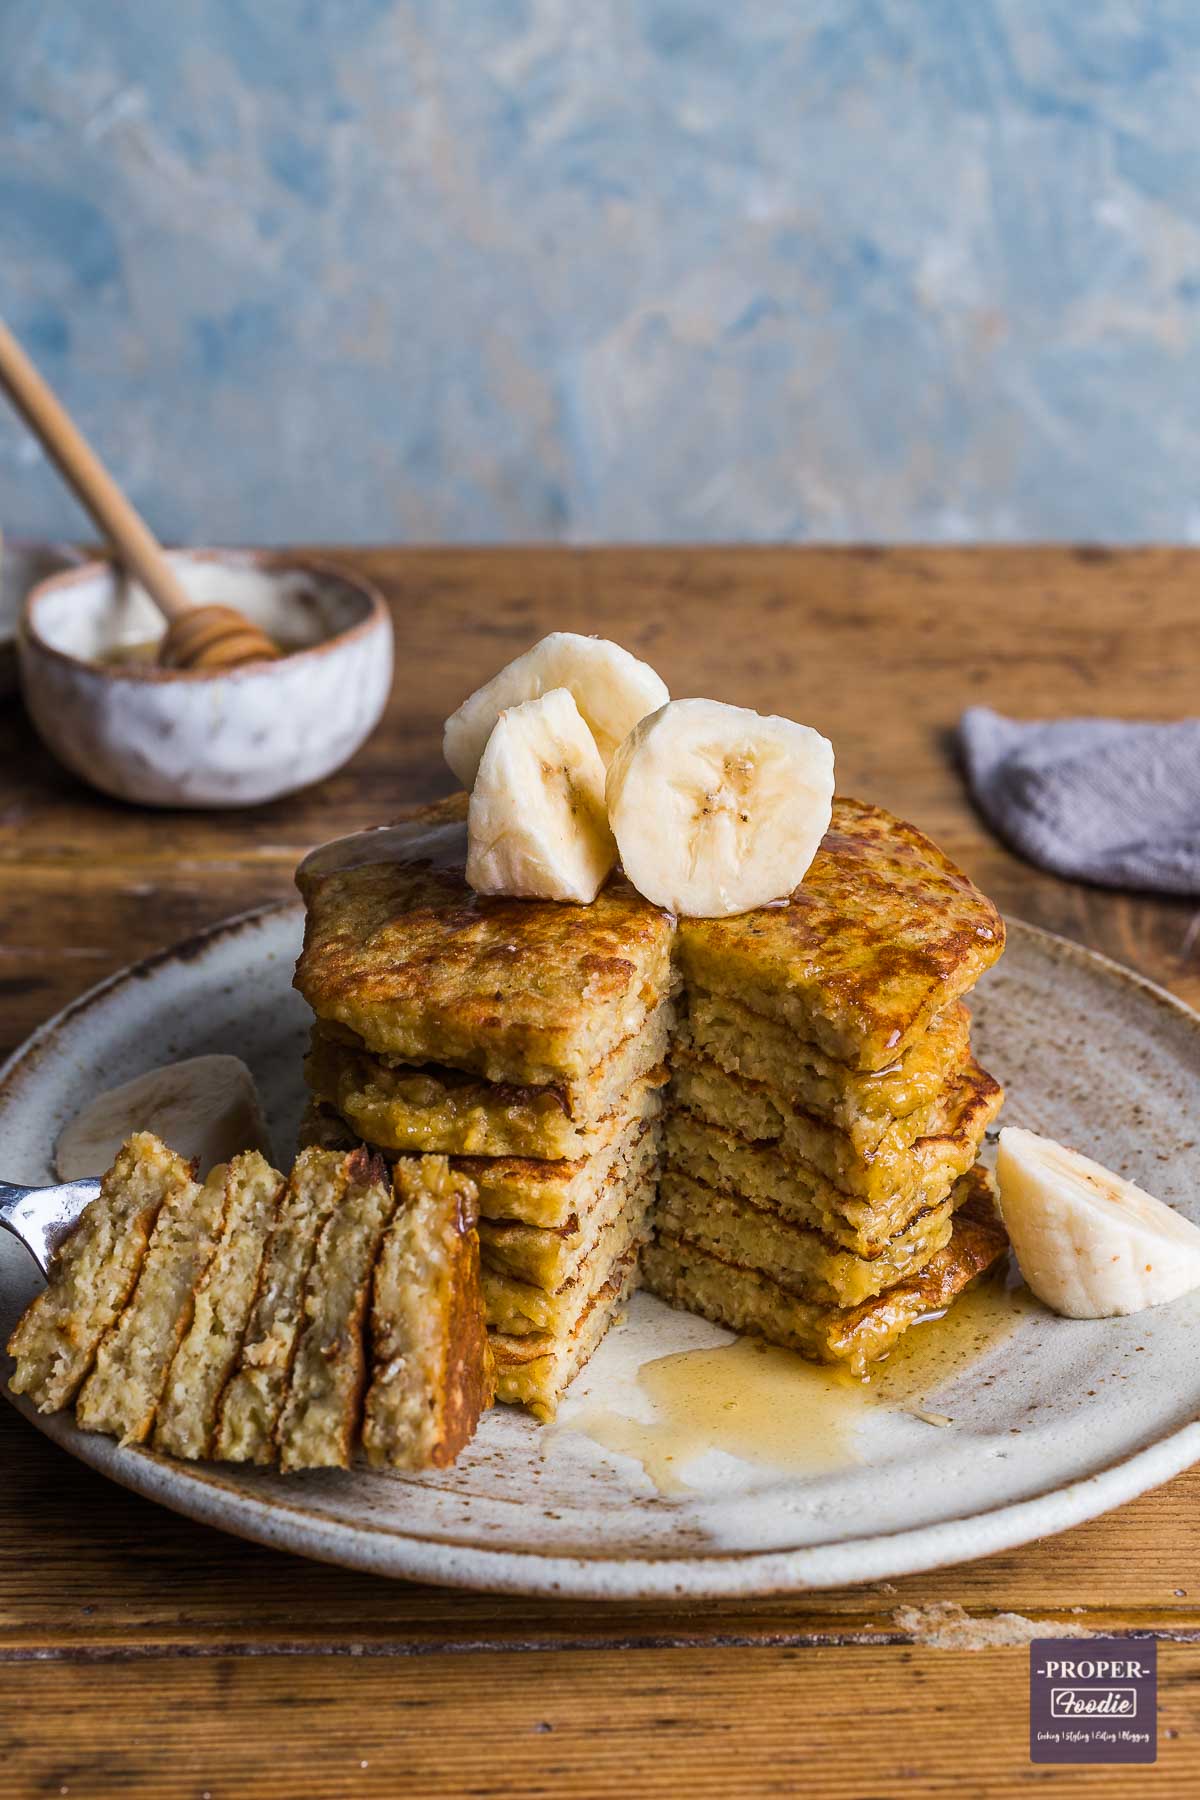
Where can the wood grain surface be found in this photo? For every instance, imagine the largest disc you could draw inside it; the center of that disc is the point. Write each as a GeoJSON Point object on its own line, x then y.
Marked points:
{"type": "Point", "coordinates": [146, 1654]}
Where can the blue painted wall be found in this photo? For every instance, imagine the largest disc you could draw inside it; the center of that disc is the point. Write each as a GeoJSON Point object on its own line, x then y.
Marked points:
{"type": "Point", "coordinates": [515, 269]}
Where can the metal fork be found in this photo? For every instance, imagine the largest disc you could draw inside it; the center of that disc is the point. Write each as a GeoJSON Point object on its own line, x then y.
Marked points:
{"type": "Point", "coordinates": [40, 1218]}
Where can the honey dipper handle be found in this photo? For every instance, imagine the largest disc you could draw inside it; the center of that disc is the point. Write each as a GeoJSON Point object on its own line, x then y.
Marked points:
{"type": "Point", "coordinates": [86, 475]}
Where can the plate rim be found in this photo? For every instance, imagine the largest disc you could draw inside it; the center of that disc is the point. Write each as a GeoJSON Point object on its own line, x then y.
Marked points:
{"type": "Point", "coordinates": [223, 1503]}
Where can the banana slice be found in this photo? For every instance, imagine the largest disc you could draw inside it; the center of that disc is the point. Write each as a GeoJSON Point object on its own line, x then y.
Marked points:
{"type": "Point", "coordinates": [536, 825]}
{"type": "Point", "coordinates": [1090, 1244]}
{"type": "Point", "coordinates": [611, 688]}
{"type": "Point", "coordinates": [717, 809]}
{"type": "Point", "coordinates": [206, 1107]}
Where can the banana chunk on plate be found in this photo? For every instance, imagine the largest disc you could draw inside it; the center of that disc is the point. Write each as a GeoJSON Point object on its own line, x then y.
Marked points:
{"type": "Point", "coordinates": [609, 685]}
{"type": "Point", "coordinates": [1090, 1244]}
{"type": "Point", "coordinates": [207, 1107]}
{"type": "Point", "coordinates": [717, 809]}
{"type": "Point", "coordinates": [536, 824]}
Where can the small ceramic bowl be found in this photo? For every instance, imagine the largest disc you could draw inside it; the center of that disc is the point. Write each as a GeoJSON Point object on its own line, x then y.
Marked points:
{"type": "Point", "coordinates": [164, 737]}
{"type": "Point", "coordinates": [22, 564]}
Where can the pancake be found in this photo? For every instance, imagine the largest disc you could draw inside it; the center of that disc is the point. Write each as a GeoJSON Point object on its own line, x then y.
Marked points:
{"type": "Point", "coordinates": [546, 1258]}
{"type": "Point", "coordinates": [401, 950]}
{"type": "Point", "coordinates": [318, 1427]}
{"type": "Point", "coordinates": [94, 1272]}
{"type": "Point", "coordinates": [882, 934]}
{"type": "Point", "coordinates": [822, 1100]}
{"type": "Point", "coordinates": [186, 1417]}
{"type": "Point", "coordinates": [458, 1091]}
{"type": "Point", "coordinates": [250, 1407]}
{"type": "Point", "coordinates": [122, 1393]}
{"type": "Point", "coordinates": [801, 1260]}
{"type": "Point", "coordinates": [449, 1112]}
{"type": "Point", "coordinates": [730, 1293]}
{"type": "Point", "coordinates": [432, 1368]}
{"type": "Point", "coordinates": [543, 1195]}
{"type": "Point", "coordinates": [759, 1172]}
{"type": "Point", "coordinates": [534, 1370]}
{"type": "Point", "coordinates": [517, 1308]}
{"type": "Point", "coordinates": [895, 1164]}
{"type": "Point", "coordinates": [745, 1043]}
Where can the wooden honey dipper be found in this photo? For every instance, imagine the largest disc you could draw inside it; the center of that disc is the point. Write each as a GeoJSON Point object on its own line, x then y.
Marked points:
{"type": "Point", "coordinates": [197, 637]}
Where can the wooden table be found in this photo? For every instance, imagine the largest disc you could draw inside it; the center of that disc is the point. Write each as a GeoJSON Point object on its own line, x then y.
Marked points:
{"type": "Point", "coordinates": [147, 1655]}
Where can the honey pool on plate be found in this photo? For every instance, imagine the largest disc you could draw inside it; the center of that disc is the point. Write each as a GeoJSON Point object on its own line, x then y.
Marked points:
{"type": "Point", "coordinates": [769, 1407]}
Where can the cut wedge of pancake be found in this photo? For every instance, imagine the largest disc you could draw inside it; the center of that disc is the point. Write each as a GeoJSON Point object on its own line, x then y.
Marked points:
{"type": "Point", "coordinates": [95, 1272]}
{"type": "Point", "coordinates": [519, 1307]}
{"type": "Point", "coordinates": [432, 1370]}
{"type": "Point", "coordinates": [320, 1421]}
{"type": "Point", "coordinates": [546, 1257]}
{"type": "Point", "coordinates": [250, 1408]}
{"type": "Point", "coordinates": [535, 1370]}
{"type": "Point", "coordinates": [187, 1413]}
{"type": "Point", "coordinates": [122, 1393]}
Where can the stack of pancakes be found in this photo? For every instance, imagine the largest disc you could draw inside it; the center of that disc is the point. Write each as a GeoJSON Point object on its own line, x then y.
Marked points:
{"type": "Point", "coordinates": [826, 1113]}
{"type": "Point", "coordinates": [815, 1179]}
{"type": "Point", "coordinates": [527, 1041]}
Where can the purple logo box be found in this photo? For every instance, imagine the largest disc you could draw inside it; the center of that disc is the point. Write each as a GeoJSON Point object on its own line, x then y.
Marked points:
{"type": "Point", "coordinates": [1093, 1700]}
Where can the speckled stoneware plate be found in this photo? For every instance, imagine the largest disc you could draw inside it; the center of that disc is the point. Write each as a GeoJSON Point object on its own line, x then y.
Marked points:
{"type": "Point", "coordinates": [1053, 1423]}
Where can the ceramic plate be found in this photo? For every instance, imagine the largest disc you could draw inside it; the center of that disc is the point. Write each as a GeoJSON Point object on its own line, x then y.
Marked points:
{"type": "Point", "coordinates": [1052, 1423]}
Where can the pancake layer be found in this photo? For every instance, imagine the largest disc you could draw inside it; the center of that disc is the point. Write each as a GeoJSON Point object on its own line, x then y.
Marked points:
{"type": "Point", "coordinates": [401, 950]}
{"type": "Point", "coordinates": [448, 1112]}
{"type": "Point", "coordinates": [746, 1298]}
{"type": "Point", "coordinates": [903, 1156]}
{"type": "Point", "coordinates": [731, 1164]}
{"type": "Point", "coordinates": [746, 1043]}
{"type": "Point", "coordinates": [800, 1259]}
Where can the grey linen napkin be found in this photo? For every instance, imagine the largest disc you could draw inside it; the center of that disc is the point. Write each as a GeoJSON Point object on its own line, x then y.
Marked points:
{"type": "Point", "coordinates": [1095, 799]}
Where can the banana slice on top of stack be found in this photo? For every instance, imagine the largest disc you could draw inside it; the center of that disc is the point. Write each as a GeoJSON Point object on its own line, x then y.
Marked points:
{"type": "Point", "coordinates": [716, 809]}
{"type": "Point", "coordinates": [536, 824]}
{"type": "Point", "coordinates": [577, 755]}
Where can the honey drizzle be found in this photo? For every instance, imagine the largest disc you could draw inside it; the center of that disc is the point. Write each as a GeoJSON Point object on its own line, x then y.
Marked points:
{"type": "Point", "coordinates": [770, 1408]}
{"type": "Point", "coordinates": [752, 1400]}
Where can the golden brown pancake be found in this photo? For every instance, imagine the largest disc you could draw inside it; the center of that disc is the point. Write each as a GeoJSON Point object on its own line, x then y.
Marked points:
{"type": "Point", "coordinates": [896, 1165]}
{"type": "Point", "coordinates": [800, 1259]}
{"type": "Point", "coordinates": [763, 1175]}
{"type": "Point", "coordinates": [523, 1191]}
{"type": "Point", "coordinates": [94, 1272]}
{"type": "Point", "coordinates": [732, 1293]}
{"type": "Point", "coordinates": [400, 949]}
{"type": "Point", "coordinates": [883, 932]}
{"type": "Point", "coordinates": [432, 1370]}
{"type": "Point", "coordinates": [450, 1113]}
{"type": "Point", "coordinates": [747, 1043]}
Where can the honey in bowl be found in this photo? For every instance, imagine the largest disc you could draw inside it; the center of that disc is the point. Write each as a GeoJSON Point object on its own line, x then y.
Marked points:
{"type": "Point", "coordinates": [144, 652]}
